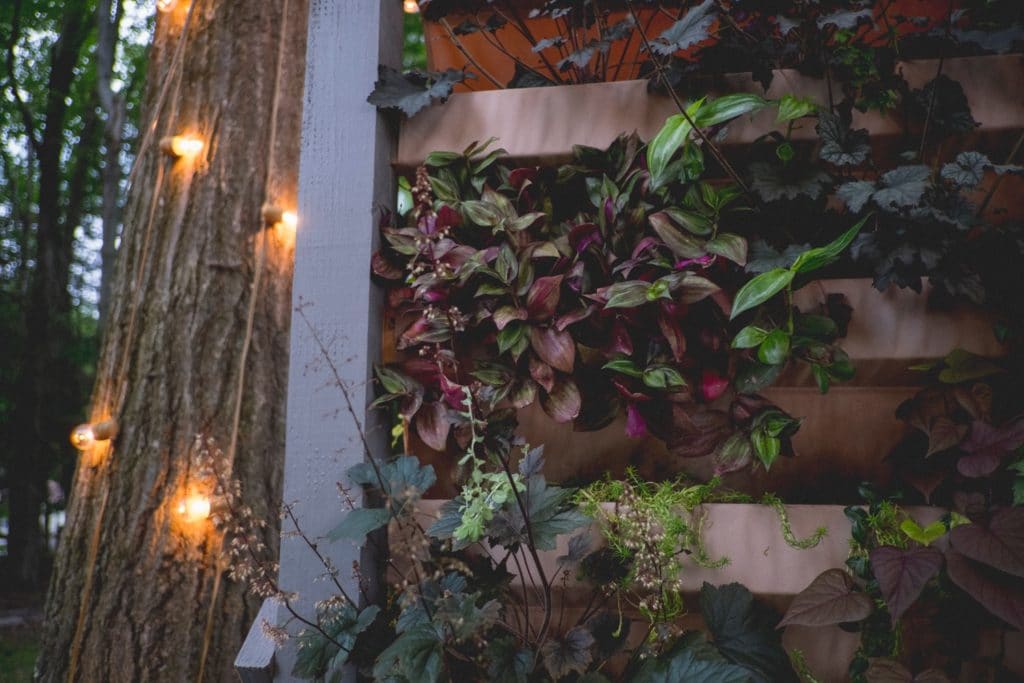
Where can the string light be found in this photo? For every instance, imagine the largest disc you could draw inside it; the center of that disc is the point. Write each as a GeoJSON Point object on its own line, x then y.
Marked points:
{"type": "Point", "coordinates": [165, 5]}
{"type": "Point", "coordinates": [85, 436]}
{"type": "Point", "coordinates": [275, 215]}
{"type": "Point", "coordinates": [411, 6]}
{"type": "Point", "coordinates": [180, 146]}
{"type": "Point", "coordinates": [194, 508]}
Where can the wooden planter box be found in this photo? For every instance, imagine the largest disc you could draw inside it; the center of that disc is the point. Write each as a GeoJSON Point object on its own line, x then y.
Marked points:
{"type": "Point", "coordinates": [542, 124]}
{"type": "Point", "coordinates": [750, 536]}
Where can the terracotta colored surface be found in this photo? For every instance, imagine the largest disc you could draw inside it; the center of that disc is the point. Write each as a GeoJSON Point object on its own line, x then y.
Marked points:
{"type": "Point", "coordinates": [542, 124]}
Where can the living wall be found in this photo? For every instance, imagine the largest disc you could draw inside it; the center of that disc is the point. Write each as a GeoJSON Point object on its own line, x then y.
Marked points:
{"type": "Point", "coordinates": [661, 280]}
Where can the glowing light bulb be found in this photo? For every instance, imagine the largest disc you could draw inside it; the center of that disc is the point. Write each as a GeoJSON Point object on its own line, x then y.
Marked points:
{"type": "Point", "coordinates": [275, 215]}
{"type": "Point", "coordinates": [410, 6]}
{"type": "Point", "coordinates": [194, 508]}
{"type": "Point", "coordinates": [181, 146]}
{"type": "Point", "coordinates": [85, 436]}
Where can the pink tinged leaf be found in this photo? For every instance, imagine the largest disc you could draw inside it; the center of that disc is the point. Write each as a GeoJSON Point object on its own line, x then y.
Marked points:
{"type": "Point", "coordinates": [712, 385]}
{"type": "Point", "coordinates": [643, 245]}
{"type": "Point", "coordinates": [447, 217]}
{"type": "Point", "coordinates": [520, 175]}
{"type": "Point", "coordinates": [702, 262]}
{"type": "Point", "coordinates": [884, 670]}
{"type": "Point", "coordinates": [733, 454]}
{"type": "Point", "coordinates": [454, 394]}
{"type": "Point", "coordinates": [944, 434]}
{"type": "Point", "coordinates": [583, 235]}
{"type": "Point", "coordinates": [384, 268]}
{"type": "Point", "coordinates": [830, 599]}
{"type": "Point", "coordinates": [542, 373]}
{"type": "Point", "coordinates": [432, 425]}
{"type": "Point", "coordinates": [454, 258]}
{"type": "Point", "coordinates": [628, 393]}
{"type": "Point", "coordinates": [556, 348]}
{"type": "Point", "coordinates": [636, 425]}
{"type": "Point", "coordinates": [609, 211]}
{"type": "Point", "coordinates": [506, 314]}
{"type": "Point", "coordinates": [673, 334]}
{"type": "Point", "coordinates": [999, 545]}
{"type": "Point", "coordinates": [524, 394]}
{"type": "Point", "coordinates": [903, 574]}
{"type": "Point", "coordinates": [427, 224]}
{"type": "Point", "coordinates": [620, 341]}
{"type": "Point", "coordinates": [410, 404]}
{"type": "Point", "coordinates": [563, 402]}
{"type": "Point", "coordinates": [572, 317]}
{"type": "Point", "coordinates": [542, 300]}
{"type": "Point", "coordinates": [1002, 597]}
{"type": "Point", "coordinates": [986, 446]}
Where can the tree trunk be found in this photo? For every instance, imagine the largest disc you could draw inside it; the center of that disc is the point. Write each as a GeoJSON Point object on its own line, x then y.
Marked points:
{"type": "Point", "coordinates": [46, 387]}
{"type": "Point", "coordinates": [138, 593]}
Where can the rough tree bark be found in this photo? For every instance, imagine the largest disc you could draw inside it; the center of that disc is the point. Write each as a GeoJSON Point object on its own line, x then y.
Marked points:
{"type": "Point", "coordinates": [135, 594]}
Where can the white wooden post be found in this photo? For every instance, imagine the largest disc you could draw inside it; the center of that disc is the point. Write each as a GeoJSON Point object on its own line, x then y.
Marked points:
{"type": "Point", "coordinates": [344, 176]}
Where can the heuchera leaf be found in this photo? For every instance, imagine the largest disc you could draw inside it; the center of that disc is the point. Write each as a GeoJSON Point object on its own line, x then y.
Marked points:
{"type": "Point", "coordinates": [902, 187]}
{"type": "Point", "coordinates": [830, 599]}
{"type": "Point", "coordinates": [997, 593]}
{"type": "Point", "coordinates": [693, 28]}
{"type": "Point", "coordinates": [967, 170]}
{"type": "Point", "coordinates": [359, 522]}
{"type": "Point", "coordinates": [411, 92]}
{"type": "Point", "coordinates": [743, 632]}
{"type": "Point", "coordinates": [569, 654]}
{"type": "Point", "coordinates": [556, 348]}
{"type": "Point", "coordinates": [840, 145]}
{"type": "Point", "coordinates": [903, 574]}
{"type": "Point", "coordinates": [760, 289]}
{"type": "Point", "coordinates": [999, 545]}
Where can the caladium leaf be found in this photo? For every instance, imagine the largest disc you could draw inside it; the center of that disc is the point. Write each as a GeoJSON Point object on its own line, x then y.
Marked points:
{"type": "Point", "coordinates": [432, 425]}
{"type": "Point", "coordinates": [542, 300]}
{"type": "Point", "coordinates": [694, 27]}
{"type": "Point", "coordinates": [555, 348]}
{"type": "Point", "coordinates": [924, 535]}
{"type": "Point", "coordinates": [760, 289]}
{"type": "Point", "coordinates": [986, 446]}
{"type": "Point", "coordinates": [829, 599]}
{"type": "Point", "coordinates": [994, 591]}
{"type": "Point", "coordinates": [568, 654]}
{"type": "Point", "coordinates": [1000, 544]}
{"type": "Point", "coordinates": [563, 402]}
{"type": "Point", "coordinates": [903, 574]}
{"type": "Point", "coordinates": [884, 670]}
{"type": "Point", "coordinates": [412, 91]}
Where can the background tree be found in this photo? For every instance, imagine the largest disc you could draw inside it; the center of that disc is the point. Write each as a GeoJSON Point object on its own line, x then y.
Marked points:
{"type": "Point", "coordinates": [195, 348]}
{"type": "Point", "coordinates": [52, 127]}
